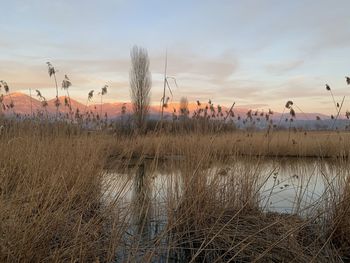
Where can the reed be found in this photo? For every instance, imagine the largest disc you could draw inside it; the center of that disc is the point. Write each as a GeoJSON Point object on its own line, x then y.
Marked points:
{"type": "Point", "coordinates": [61, 201]}
{"type": "Point", "coordinates": [50, 194]}
{"type": "Point", "coordinates": [214, 211]}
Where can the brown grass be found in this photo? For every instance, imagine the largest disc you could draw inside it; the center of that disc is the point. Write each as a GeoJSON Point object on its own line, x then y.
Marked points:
{"type": "Point", "coordinates": [53, 204]}
{"type": "Point", "coordinates": [50, 190]}
{"type": "Point", "coordinates": [340, 219]}
{"type": "Point", "coordinates": [277, 144]}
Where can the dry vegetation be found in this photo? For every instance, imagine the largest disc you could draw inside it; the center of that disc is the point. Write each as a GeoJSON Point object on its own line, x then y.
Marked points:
{"type": "Point", "coordinates": [274, 144]}
{"type": "Point", "coordinates": [61, 202]}
{"type": "Point", "coordinates": [50, 190]}
{"type": "Point", "coordinates": [56, 203]}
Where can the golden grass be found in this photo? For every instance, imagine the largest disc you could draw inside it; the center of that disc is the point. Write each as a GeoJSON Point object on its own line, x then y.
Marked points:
{"type": "Point", "coordinates": [53, 207]}
{"type": "Point", "coordinates": [50, 189]}
{"type": "Point", "coordinates": [220, 220]}
{"type": "Point", "coordinates": [277, 144]}
{"type": "Point", "coordinates": [340, 219]}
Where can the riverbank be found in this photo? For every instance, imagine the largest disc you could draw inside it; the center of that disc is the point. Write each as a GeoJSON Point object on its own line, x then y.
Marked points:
{"type": "Point", "coordinates": [275, 144]}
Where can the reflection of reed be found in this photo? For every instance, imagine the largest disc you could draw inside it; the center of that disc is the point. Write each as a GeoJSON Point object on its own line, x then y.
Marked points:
{"type": "Point", "coordinates": [142, 204]}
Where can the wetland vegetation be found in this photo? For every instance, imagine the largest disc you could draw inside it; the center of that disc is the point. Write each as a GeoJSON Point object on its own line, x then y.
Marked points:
{"type": "Point", "coordinates": [68, 194]}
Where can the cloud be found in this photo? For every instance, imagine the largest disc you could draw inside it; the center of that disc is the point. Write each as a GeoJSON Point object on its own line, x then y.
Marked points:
{"type": "Point", "coordinates": [192, 64]}
{"type": "Point", "coordinates": [299, 86]}
{"type": "Point", "coordinates": [252, 106]}
{"type": "Point", "coordinates": [279, 68]}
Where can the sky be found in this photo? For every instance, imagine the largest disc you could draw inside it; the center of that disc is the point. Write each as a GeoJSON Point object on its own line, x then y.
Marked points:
{"type": "Point", "coordinates": [257, 53]}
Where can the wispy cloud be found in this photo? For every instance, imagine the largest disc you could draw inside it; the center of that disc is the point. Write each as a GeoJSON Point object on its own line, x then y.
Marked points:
{"type": "Point", "coordinates": [281, 67]}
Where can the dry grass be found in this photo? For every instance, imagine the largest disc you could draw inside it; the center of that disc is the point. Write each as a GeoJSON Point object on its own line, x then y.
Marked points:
{"type": "Point", "coordinates": [277, 144]}
{"type": "Point", "coordinates": [53, 198]}
{"type": "Point", "coordinates": [216, 217]}
{"type": "Point", "coordinates": [340, 224]}
{"type": "Point", "coordinates": [50, 190]}
{"type": "Point", "coordinates": [220, 220]}
{"type": "Point", "coordinates": [253, 237]}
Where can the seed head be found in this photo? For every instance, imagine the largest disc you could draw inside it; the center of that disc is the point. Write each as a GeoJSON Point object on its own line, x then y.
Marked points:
{"type": "Point", "coordinates": [212, 109]}
{"type": "Point", "coordinates": [4, 84]}
{"type": "Point", "coordinates": [289, 104]}
{"type": "Point", "coordinates": [38, 93]}
{"type": "Point", "coordinates": [66, 82]}
{"type": "Point", "coordinates": [104, 90]}
{"type": "Point", "coordinates": [124, 108]}
{"type": "Point", "coordinates": [57, 102]}
{"type": "Point", "coordinates": [90, 94]}
{"type": "Point", "coordinates": [292, 112]}
{"type": "Point", "coordinates": [44, 103]}
{"type": "Point", "coordinates": [51, 69]}
{"type": "Point", "coordinates": [347, 114]}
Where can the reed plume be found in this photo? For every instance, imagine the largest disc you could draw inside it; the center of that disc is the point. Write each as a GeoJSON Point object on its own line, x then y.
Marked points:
{"type": "Point", "coordinates": [52, 72]}
{"type": "Point", "coordinates": [66, 83]}
{"type": "Point", "coordinates": [103, 92]}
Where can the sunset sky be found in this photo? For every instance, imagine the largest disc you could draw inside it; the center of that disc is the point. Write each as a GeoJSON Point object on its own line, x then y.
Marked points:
{"type": "Point", "coordinates": [257, 53]}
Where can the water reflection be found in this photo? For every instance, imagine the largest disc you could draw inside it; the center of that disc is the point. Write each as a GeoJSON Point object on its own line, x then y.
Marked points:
{"type": "Point", "coordinates": [297, 186]}
{"type": "Point", "coordinates": [285, 184]}
{"type": "Point", "coordinates": [141, 203]}
{"type": "Point", "coordinates": [152, 191]}
{"type": "Point", "coordinates": [147, 218]}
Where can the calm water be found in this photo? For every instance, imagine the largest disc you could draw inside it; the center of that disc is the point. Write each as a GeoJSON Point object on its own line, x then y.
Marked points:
{"type": "Point", "coordinates": [145, 192]}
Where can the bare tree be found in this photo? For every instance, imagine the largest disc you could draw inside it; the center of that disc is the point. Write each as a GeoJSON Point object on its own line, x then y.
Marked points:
{"type": "Point", "coordinates": [140, 85]}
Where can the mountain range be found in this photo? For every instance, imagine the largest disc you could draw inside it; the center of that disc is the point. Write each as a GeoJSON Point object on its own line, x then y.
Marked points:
{"type": "Point", "coordinates": [24, 104]}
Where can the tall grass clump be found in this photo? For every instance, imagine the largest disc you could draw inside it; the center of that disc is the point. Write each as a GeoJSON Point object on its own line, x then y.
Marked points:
{"type": "Point", "coordinates": [338, 224]}
{"type": "Point", "coordinates": [207, 209]}
{"type": "Point", "coordinates": [50, 195]}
